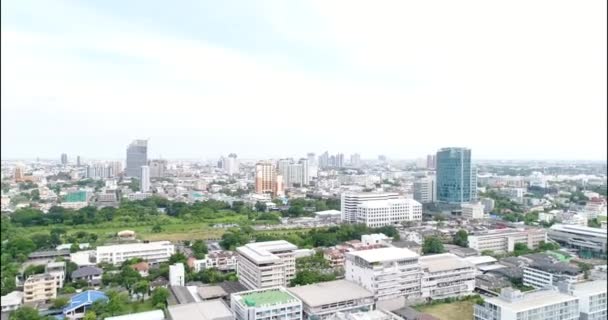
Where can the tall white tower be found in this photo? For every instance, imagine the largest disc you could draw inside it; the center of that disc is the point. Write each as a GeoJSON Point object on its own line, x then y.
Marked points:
{"type": "Point", "coordinates": [145, 179]}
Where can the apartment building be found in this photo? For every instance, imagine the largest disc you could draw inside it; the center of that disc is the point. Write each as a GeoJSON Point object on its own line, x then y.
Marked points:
{"type": "Point", "coordinates": [266, 304]}
{"type": "Point", "coordinates": [387, 272]}
{"type": "Point", "coordinates": [591, 242]}
{"type": "Point", "coordinates": [57, 270]}
{"type": "Point", "coordinates": [152, 252]}
{"type": "Point", "coordinates": [504, 240]}
{"type": "Point", "coordinates": [592, 299]}
{"type": "Point", "coordinates": [221, 260]}
{"type": "Point", "coordinates": [472, 210]}
{"type": "Point", "coordinates": [267, 179]}
{"type": "Point", "coordinates": [350, 202]}
{"type": "Point", "coordinates": [322, 300]}
{"type": "Point", "coordinates": [266, 264]}
{"type": "Point", "coordinates": [515, 305]}
{"type": "Point", "coordinates": [40, 287]}
{"type": "Point", "coordinates": [446, 275]}
{"type": "Point", "coordinates": [380, 213]}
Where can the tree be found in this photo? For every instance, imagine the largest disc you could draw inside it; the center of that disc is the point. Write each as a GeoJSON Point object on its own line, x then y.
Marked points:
{"type": "Point", "coordinates": [260, 206]}
{"type": "Point", "coordinates": [142, 287]}
{"type": "Point", "coordinates": [199, 247]}
{"type": "Point", "coordinates": [157, 228]}
{"type": "Point", "coordinates": [159, 296]}
{"type": "Point", "coordinates": [74, 247]}
{"type": "Point", "coordinates": [116, 302]}
{"type": "Point", "coordinates": [461, 238]}
{"type": "Point", "coordinates": [90, 315]}
{"type": "Point", "coordinates": [25, 313]}
{"type": "Point", "coordinates": [60, 302]}
{"type": "Point", "coordinates": [432, 244]}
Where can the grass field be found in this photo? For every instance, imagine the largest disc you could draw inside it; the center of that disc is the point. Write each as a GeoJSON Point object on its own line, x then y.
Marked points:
{"type": "Point", "coordinates": [450, 311]}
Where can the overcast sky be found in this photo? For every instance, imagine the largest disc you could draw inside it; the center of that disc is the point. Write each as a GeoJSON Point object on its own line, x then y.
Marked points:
{"type": "Point", "coordinates": [509, 79]}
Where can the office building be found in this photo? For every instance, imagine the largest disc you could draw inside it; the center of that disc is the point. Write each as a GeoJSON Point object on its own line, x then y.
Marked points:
{"type": "Point", "coordinates": [152, 252]}
{"type": "Point", "coordinates": [388, 273]}
{"type": "Point", "coordinates": [64, 159]}
{"type": "Point", "coordinates": [266, 304]}
{"type": "Point", "coordinates": [231, 164]}
{"type": "Point", "coordinates": [322, 300]}
{"type": "Point", "coordinates": [456, 177]}
{"type": "Point", "coordinates": [177, 275]}
{"type": "Point", "coordinates": [267, 180]}
{"type": "Point", "coordinates": [425, 189]}
{"type": "Point", "coordinates": [266, 264]}
{"type": "Point", "coordinates": [431, 161]}
{"type": "Point", "coordinates": [137, 156]}
{"type": "Point", "coordinates": [40, 287]}
{"type": "Point", "coordinates": [591, 299]}
{"type": "Point", "coordinates": [504, 240]}
{"type": "Point", "coordinates": [144, 184]}
{"type": "Point", "coordinates": [393, 212]}
{"type": "Point", "coordinates": [515, 305]}
{"type": "Point", "coordinates": [158, 168]}
{"type": "Point", "coordinates": [446, 276]}
{"type": "Point", "coordinates": [350, 202]}
{"type": "Point", "coordinates": [590, 242]}
{"type": "Point", "coordinates": [472, 210]}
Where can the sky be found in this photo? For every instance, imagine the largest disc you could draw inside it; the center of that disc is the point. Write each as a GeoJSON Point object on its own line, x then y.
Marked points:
{"type": "Point", "coordinates": [508, 79]}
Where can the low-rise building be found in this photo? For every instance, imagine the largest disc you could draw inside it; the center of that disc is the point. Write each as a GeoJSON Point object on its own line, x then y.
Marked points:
{"type": "Point", "coordinates": [81, 302]}
{"type": "Point", "coordinates": [266, 304]}
{"type": "Point", "coordinates": [203, 310]}
{"type": "Point", "coordinates": [221, 260]}
{"type": "Point", "coordinates": [515, 305]}
{"type": "Point", "coordinates": [445, 276]}
{"type": "Point", "coordinates": [40, 287]}
{"type": "Point", "coordinates": [367, 315]}
{"type": "Point", "coordinates": [544, 271]}
{"type": "Point", "coordinates": [504, 240]}
{"type": "Point", "coordinates": [11, 301]}
{"type": "Point", "coordinates": [152, 252]}
{"type": "Point", "coordinates": [472, 210]}
{"type": "Point", "coordinates": [57, 270]}
{"type": "Point", "coordinates": [266, 264]}
{"type": "Point", "coordinates": [322, 300]}
{"type": "Point", "coordinates": [590, 242]}
{"type": "Point", "coordinates": [380, 213]}
{"type": "Point", "coordinates": [90, 274]}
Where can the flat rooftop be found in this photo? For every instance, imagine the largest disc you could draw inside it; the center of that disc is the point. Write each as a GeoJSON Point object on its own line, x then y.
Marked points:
{"type": "Point", "coordinates": [481, 260]}
{"type": "Point", "coordinates": [322, 293]}
{"type": "Point", "coordinates": [533, 300]}
{"type": "Point", "coordinates": [580, 230]}
{"type": "Point", "coordinates": [204, 310]}
{"type": "Point", "coordinates": [266, 297]}
{"type": "Point", "coordinates": [134, 246]}
{"type": "Point", "coordinates": [384, 254]}
{"type": "Point", "coordinates": [263, 252]}
{"type": "Point", "coordinates": [591, 287]}
{"type": "Point", "coordinates": [387, 203]}
{"type": "Point", "coordinates": [443, 262]}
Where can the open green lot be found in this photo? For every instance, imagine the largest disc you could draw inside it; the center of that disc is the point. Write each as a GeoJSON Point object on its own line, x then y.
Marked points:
{"type": "Point", "coordinates": [450, 311]}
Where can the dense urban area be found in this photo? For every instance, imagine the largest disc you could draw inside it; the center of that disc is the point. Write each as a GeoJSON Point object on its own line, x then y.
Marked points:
{"type": "Point", "coordinates": [321, 237]}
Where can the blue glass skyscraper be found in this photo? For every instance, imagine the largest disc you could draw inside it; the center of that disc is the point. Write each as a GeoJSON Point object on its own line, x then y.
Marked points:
{"type": "Point", "coordinates": [456, 177]}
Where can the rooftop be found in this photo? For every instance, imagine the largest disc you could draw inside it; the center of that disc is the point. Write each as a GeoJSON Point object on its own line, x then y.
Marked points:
{"type": "Point", "coordinates": [263, 252]}
{"type": "Point", "coordinates": [580, 230]}
{"type": "Point", "coordinates": [532, 300]}
{"type": "Point", "coordinates": [328, 213]}
{"type": "Point", "coordinates": [146, 315]}
{"type": "Point", "coordinates": [329, 292]}
{"type": "Point", "coordinates": [481, 260]}
{"type": "Point", "coordinates": [78, 196]}
{"type": "Point", "coordinates": [204, 310]}
{"type": "Point", "coordinates": [265, 297]}
{"type": "Point", "coordinates": [133, 246]}
{"type": "Point", "coordinates": [387, 203]}
{"type": "Point", "coordinates": [444, 262]}
{"type": "Point", "coordinates": [384, 254]}
{"type": "Point", "coordinates": [590, 287]}
{"type": "Point", "coordinates": [84, 298]}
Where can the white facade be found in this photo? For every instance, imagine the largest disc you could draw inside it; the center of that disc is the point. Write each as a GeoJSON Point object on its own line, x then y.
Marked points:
{"type": "Point", "coordinates": [387, 272]}
{"type": "Point", "coordinates": [231, 164]}
{"type": "Point", "coordinates": [57, 270]}
{"type": "Point", "coordinates": [145, 179]}
{"type": "Point", "coordinates": [177, 275]}
{"type": "Point", "coordinates": [266, 264]}
{"type": "Point", "coordinates": [446, 275]}
{"type": "Point", "coordinates": [266, 304]}
{"type": "Point", "coordinates": [546, 217]}
{"type": "Point", "coordinates": [376, 238]}
{"type": "Point", "coordinates": [350, 202]}
{"type": "Point", "coordinates": [514, 305]}
{"type": "Point", "coordinates": [152, 252]}
{"type": "Point", "coordinates": [505, 240]}
{"type": "Point", "coordinates": [592, 299]}
{"type": "Point", "coordinates": [425, 190]}
{"type": "Point", "coordinates": [221, 260]}
{"type": "Point", "coordinates": [472, 210]}
{"type": "Point", "coordinates": [380, 213]}
{"type": "Point", "coordinates": [537, 278]}
{"type": "Point", "coordinates": [11, 301]}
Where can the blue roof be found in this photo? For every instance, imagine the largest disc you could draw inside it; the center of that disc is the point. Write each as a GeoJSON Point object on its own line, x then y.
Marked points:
{"type": "Point", "coordinates": [85, 298]}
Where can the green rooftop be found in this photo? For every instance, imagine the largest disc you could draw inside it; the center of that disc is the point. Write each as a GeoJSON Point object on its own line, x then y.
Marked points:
{"type": "Point", "coordinates": [78, 196]}
{"type": "Point", "coordinates": [260, 298]}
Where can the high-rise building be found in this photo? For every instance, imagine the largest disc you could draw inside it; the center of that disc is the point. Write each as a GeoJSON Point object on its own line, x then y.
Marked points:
{"type": "Point", "coordinates": [18, 174]}
{"type": "Point", "coordinates": [355, 160]}
{"type": "Point", "coordinates": [382, 158]}
{"type": "Point", "coordinates": [350, 202]}
{"type": "Point", "coordinates": [232, 164]}
{"type": "Point", "coordinates": [157, 168]}
{"type": "Point", "coordinates": [266, 264]}
{"type": "Point", "coordinates": [312, 159]}
{"type": "Point", "coordinates": [137, 156]}
{"type": "Point", "coordinates": [324, 160]}
{"type": "Point", "coordinates": [64, 159]}
{"type": "Point", "coordinates": [294, 174]}
{"type": "Point", "coordinates": [456, 178]}
{"type": "Point", "coordinates": [145, 179]}
{"type": "Point", "coordinates": [78, 161]}
{"type": "Point", "coordinates": [267, 180]}
{"type": "Point", "coordinates": [339, 160]}
{"type": "Point", "coordinates": [425, 189]}
{"type": "Point", "coordinates": [431, 161]}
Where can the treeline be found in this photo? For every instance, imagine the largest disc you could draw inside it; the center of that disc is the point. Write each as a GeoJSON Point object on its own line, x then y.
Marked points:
{"type": "Point", "coordinates": [297, 207]}
{"type": "Point", "coordinates": [305, 239]}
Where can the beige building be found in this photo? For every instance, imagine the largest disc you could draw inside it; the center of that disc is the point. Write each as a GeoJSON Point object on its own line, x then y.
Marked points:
{"type": "Point", "coordinates": [266, 264]}
{"type": "Point", "coordinates": [267, 180]}
{"type": "Point", "coordinates": [40, 287]}
{"type": "Point", "coordinates": [504, 240]}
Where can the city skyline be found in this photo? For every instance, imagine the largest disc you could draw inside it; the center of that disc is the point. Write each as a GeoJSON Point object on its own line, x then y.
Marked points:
{"type": "Point", "coordinates": [415, 78]}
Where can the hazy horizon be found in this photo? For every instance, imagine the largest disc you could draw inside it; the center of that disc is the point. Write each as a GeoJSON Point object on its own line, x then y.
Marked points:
{"type": "Point", "coordinates": [515, 80]}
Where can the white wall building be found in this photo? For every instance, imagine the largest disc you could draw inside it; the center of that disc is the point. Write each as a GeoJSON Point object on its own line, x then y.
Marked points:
{"type": "Point", "coordinates": [387, 272]}
{"type": "Point", "coordinates": [472, 210]}
{"type": "Point", "coordinates": [425, 189]}
{"type": "Point", "coordinates": [266, 304]}
{"type": "Point", "coordinates": [550, 275]}
{"type": "Point", "coordinates": [350, 202]}
{"type": "Point", "coordinates": [446, 275]}
{"type": "Point", "coordinates": [592, 299]}
{"type": "Point", "coordinates": [57, 270]}
{"type": "Point", "coordinates": [515, 305]}
{"type": "Point", "coordinates": [266, 264]}
{"type": "Point", "coordinates": [380, 213]}
{"type": "Point", "coordinates": [177, 276]}
{"type": "Point", "coordinates": [11, 301]}
{"type": "Point", "coordinates": [152, 252]}
{"type": "Point", "coordinates": [221, 260]}
{"type": "Point", "coordinates": [145, 179]}
{"type": "Point", "coordinates": [504, 240]}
